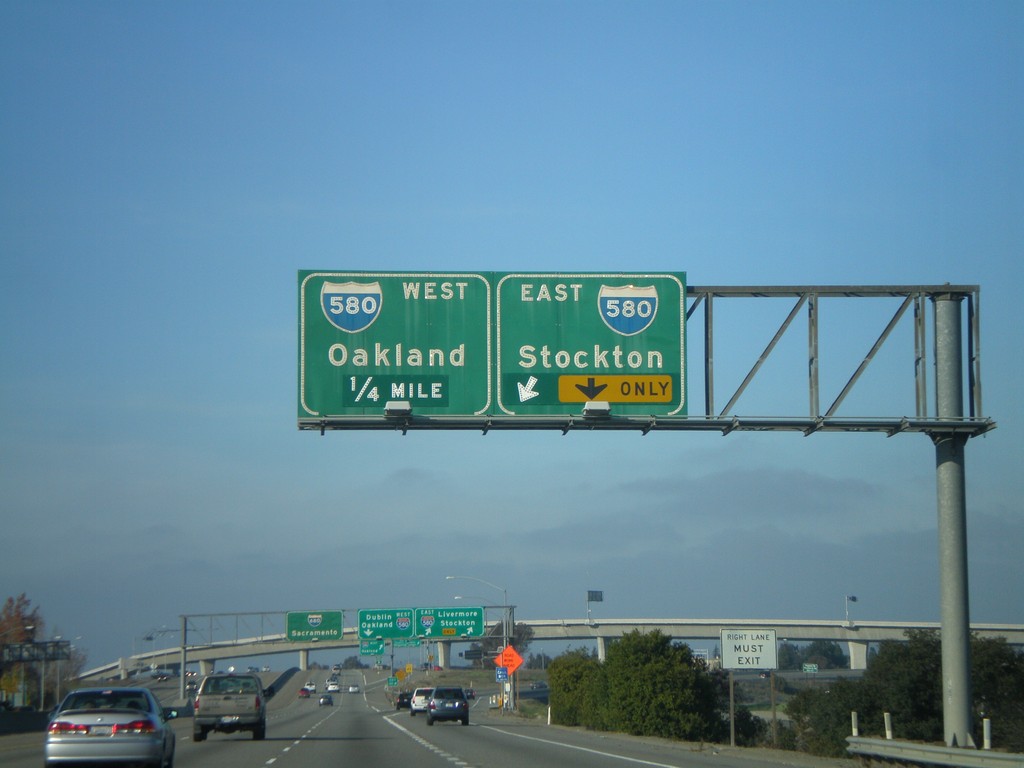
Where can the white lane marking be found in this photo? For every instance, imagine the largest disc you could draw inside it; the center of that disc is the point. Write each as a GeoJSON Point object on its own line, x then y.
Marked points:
{"type": "Point", "coordinates": [424, 743]}
{"type": "Point", "coordinates": [582, 749]}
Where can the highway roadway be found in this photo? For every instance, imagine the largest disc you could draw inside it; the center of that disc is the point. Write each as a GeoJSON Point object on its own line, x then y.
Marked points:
{"type": "Point", "coordinates": [363, 729]}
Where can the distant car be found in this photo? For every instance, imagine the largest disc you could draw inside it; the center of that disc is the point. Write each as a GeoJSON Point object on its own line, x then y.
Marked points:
{"type": "Point", "coordinates": [303, 693]}
{"type": "Point", "coordinates": [420, 700]}
{"type": "Point", "coordinates": [336, 668]}
{"type": "Point", "coordinates": [403, 700]}
{"type": "Point", "coordinates": [448, 704]}
{"type": "Point", "coordinates": [310, 686]}
{"type": "Point", "coordinates": [326, 700]}
{"type": "Point", "coordinates": [112, 725]}
{"type": "Point", "coordinates": [538, 685]}
{"type": "Point", "coordinates": [470, 693]}
{"type": "Point", "coordinates": [353, 689]}
{"type": "Point", "coordinates": [333, 687]}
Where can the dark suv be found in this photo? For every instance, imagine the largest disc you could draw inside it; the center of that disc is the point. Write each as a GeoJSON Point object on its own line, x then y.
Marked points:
{"type": "Point", "coordinates": [448, 704]}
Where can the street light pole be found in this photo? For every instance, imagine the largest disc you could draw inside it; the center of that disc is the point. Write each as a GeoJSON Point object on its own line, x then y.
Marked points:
{"type": "Point", "coordinates": [504, 604]}
{"type": "Point", "coordinates": [506, 628]}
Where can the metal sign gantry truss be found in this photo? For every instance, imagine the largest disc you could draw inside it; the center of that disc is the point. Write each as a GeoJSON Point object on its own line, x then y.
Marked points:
{"type": "Point", "coordinates": [705, 300]}
{"type": "Point", "coordinates": [948, 426]}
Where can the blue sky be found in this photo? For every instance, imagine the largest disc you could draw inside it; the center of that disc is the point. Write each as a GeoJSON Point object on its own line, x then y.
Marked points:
{"type": "Point", "coordinates": [167, 169]}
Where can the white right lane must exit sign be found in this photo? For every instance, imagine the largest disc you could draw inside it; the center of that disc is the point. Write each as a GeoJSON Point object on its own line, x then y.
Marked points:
{"type": "Point", "coordinates": [749, 649]}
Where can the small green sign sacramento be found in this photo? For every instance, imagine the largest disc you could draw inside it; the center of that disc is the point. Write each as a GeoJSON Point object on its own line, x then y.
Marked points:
{"type": "Point", "coordinates": [314, 625]}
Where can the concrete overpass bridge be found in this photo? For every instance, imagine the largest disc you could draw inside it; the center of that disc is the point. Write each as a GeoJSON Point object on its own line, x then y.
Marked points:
{"type": "Point", "coordinates": [857, 637]}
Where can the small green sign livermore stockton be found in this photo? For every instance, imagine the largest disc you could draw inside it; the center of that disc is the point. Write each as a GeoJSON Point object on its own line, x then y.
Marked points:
{"type": "Point", "coordinates": [449, 622]}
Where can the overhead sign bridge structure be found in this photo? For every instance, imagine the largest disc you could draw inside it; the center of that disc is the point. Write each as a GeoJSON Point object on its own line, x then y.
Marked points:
{"type": "Point", "coordinates": [608, 351]}
{"type": "Point", "coordinates": [492, 351]}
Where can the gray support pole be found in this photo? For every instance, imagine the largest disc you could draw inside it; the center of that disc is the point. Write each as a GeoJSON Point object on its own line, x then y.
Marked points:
{"type": "Point", "coordinates": [952, 525]}
{"type": "Point", "coordinates": [444, 652]}
{"type": "Point", "coordinates": [184, 657]}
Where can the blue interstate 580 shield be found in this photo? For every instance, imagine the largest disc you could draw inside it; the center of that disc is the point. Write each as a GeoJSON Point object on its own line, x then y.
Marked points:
{"type": "Point", "coordinates": [351, 307]}
{"type": "Point", "coordinates": [627, 309]}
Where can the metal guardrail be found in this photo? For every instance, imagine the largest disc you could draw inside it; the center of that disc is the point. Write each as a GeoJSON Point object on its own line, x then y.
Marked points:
{"type": "Point", "coordinates": [926, 754]}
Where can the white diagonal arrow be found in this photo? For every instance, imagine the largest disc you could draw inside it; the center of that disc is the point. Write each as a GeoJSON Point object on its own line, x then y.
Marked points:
{"type": "Point", "coordinates": [526, 392]}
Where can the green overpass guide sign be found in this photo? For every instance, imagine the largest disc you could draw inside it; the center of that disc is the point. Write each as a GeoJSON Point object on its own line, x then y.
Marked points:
{"type": "Point", "coordinates": [386, 623]}
{"type": "Point", "coordinates": [449, 623]}
{"type": "Point", "coordinates": [491, 343]}
{"type": "Point", "coordinates": [314, 625]}
{"type": "Point", "coordinates": [366, 338]}
{"type": "Point", "coordinates": [565, 339]}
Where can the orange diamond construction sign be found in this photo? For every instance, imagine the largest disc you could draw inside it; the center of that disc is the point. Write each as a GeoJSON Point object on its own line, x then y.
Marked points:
{"type": "Point", "coordinates": [509, 658]}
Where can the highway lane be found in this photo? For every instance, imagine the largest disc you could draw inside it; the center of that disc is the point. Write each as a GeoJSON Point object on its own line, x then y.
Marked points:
{"type": "Point", "coordinates": [363, 729]}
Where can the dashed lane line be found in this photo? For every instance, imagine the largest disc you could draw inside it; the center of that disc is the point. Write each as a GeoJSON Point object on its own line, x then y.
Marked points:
{"type": "Point", "coordinates": [453, 759]}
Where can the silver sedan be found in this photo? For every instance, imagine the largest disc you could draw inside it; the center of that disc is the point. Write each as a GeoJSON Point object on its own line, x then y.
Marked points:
{"type": "Point", "coordinates": [110, 725]}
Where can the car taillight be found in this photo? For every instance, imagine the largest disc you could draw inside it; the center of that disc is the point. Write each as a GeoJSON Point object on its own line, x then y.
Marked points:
{"type": "Point", "coordinates": [195, 704]}
{"type": "Point", "coordinates": [61, 726]}
{"type": "Point", "coordinates": [135, 726]}
{"type": "Point", "coordinates": [257, 702]}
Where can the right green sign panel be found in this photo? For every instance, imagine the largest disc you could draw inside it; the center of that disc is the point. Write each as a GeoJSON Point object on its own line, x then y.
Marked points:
{"type": "Point", "coordinates": [565, 339]}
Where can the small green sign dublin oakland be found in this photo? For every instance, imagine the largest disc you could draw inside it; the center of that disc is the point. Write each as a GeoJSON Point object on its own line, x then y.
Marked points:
{"type": "Point", "coordinates": [367, 338]}
{"type": "Point", "coordinates": [314, 625]}
{"type": "Point", "coordinates": [449, 623]}
{"type": "Point", "coordinates": [385, 623]}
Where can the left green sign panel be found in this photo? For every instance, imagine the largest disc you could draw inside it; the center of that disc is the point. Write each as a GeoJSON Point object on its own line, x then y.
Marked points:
{"type": "Point", "coordinates": [367, 338]}
{"type": "Point", "coordinates": [314, 625]}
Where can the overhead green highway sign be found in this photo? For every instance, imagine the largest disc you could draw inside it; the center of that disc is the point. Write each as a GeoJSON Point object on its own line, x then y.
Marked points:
{"type": "Point", "coordinates": [368, 338]}
{"type": "Point", "coordinates": [449, 623]}
{"type": "Point", "coordinates": [563, 340]}
{"type": "Point", "coordinates": [385, 623]}
{"type": "Point", "coordinates": [314, 625]}
{"type": "Point", "coordinates": [489, 344]}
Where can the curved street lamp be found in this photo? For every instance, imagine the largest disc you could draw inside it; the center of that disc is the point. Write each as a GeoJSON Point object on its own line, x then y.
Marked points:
{"type": "Point", "coordinates": [504, 602]}
{"type": "Point", "coordinates": [506, 627]}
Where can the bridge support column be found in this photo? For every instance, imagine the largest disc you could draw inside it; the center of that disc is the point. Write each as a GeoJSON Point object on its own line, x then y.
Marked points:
{"type": "Point", "coordinates": [858, 650]}
{"type": "Point", "coordinates": [206, 667]}
{"type": "Point", "coordinates": [303, 660]}
{"type": "Point", "coordinates": [444, 652]}
{"type": "Point", "coordinates": [601, 650]}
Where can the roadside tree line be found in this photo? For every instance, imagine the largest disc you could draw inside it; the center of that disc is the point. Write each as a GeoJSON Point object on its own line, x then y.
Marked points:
{"type": "Point", "coordinates": [29, 685]}
{"type": "Point", "coordinates": [650, 686]}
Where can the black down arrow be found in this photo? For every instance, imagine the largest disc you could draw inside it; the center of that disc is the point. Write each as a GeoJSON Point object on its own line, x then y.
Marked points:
{"type": "Point", "coordinates": [592, 390]}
